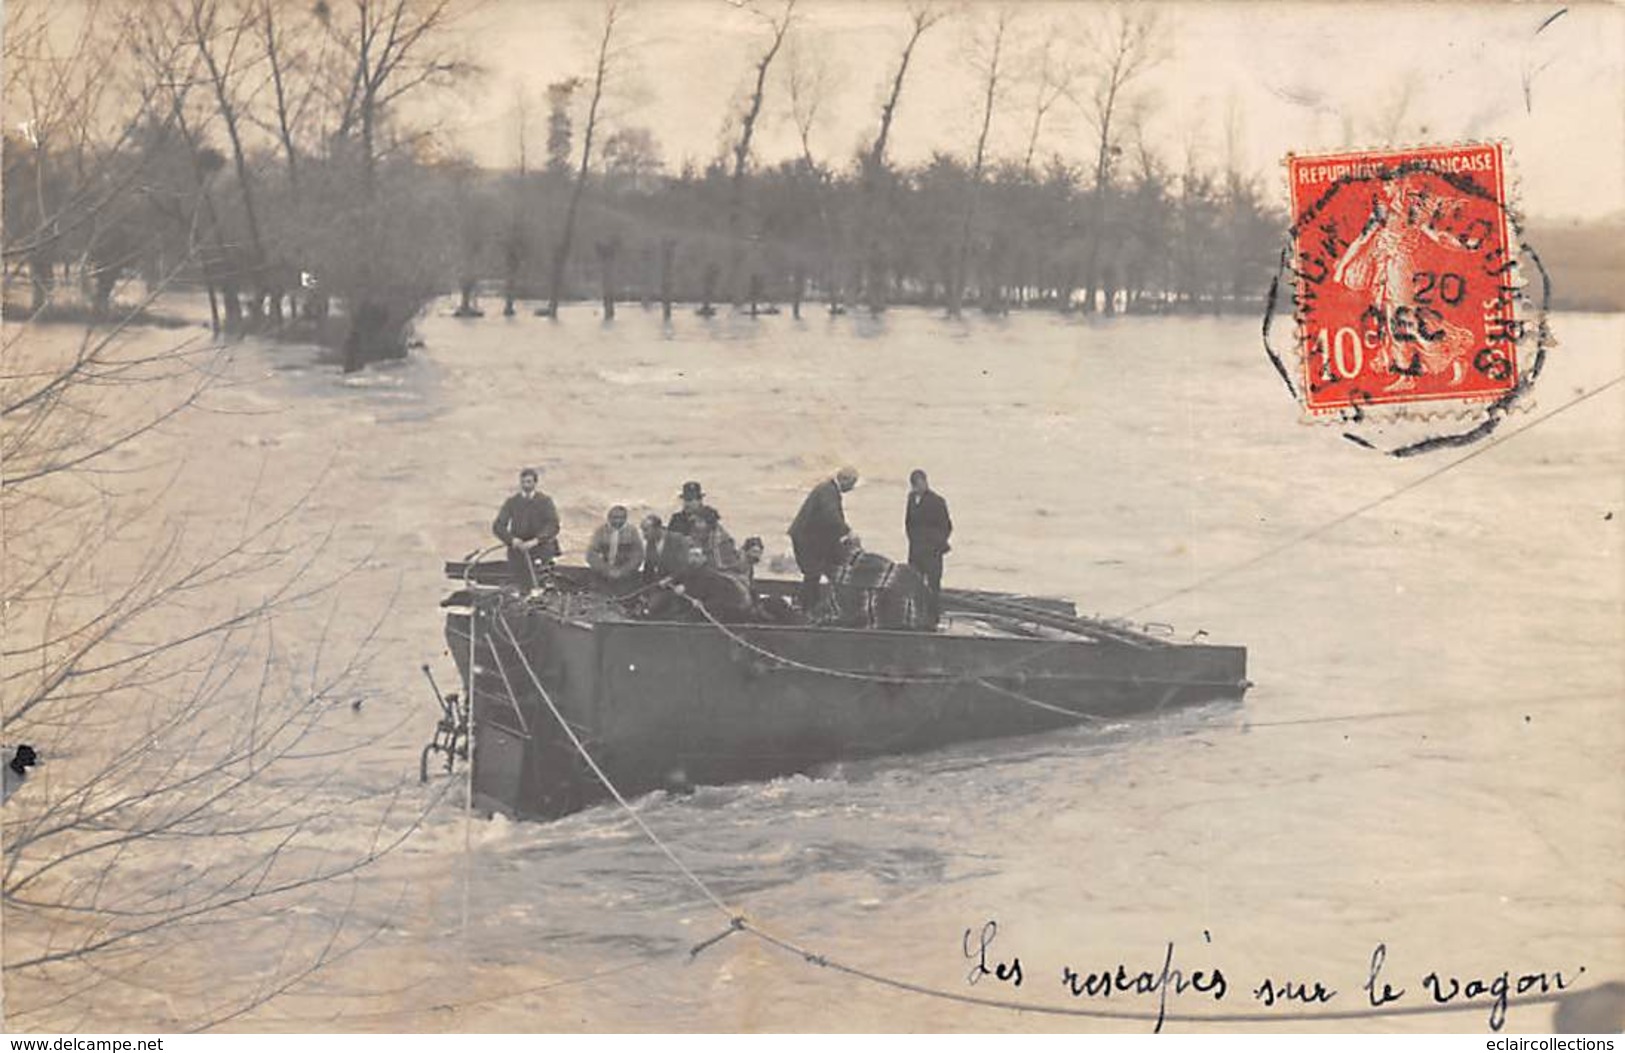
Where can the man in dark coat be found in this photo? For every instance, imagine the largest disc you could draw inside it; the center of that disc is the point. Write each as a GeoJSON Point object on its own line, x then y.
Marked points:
{"type": "Point", "coordinates": [686, 519]}
{"type": "Point", "coordinates": [928, 525]}
{"type": "Point", "coordinates": [529, 525]}
{"type": "Point", "coordinates": [817, 531]}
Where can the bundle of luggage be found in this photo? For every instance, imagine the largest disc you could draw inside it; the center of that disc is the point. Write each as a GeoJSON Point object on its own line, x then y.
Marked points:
{"type": "Point", "coordinates": [869, 591]}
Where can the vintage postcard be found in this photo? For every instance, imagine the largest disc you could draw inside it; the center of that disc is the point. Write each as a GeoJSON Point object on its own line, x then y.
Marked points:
{"type": "Point", "coordinates": [813, 516]}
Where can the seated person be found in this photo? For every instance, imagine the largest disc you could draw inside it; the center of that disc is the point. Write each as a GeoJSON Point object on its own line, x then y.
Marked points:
{"type": "Point", "coordinates": [654, 548]}
{"type": "Point", "coordinates": [724, 596]}
{"type": "Point", "coordinates": [770, 610]}
{"type": "Point", "coordinates": [665, 556]}
{"type": "Point", "coordinates": [869, 591]}
{"type": "Point", "coordinates": [615, 553]}
{"type": "Point", "coordinates": [750, 556]}
{"type": "Point", "coordinates": [715, 542]}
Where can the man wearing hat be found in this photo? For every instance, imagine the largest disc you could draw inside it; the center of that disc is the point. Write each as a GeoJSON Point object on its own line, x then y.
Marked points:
{"type": "Point", "coordinates": [529, 525]}
{"type": "Point", "coordinates": [817, 532]}
{"type": "Point", "coordinates": [686, 520]}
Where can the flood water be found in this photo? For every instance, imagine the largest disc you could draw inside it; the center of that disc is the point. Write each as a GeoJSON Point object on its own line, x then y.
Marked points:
{"type": "Point", "coordinates": [1430, 759]}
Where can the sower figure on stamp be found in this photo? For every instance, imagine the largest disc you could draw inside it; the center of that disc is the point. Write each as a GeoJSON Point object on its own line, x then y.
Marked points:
{"type": "Point", "coordinates": [817, 531]}
{"type": "Point", "coordinates": [928, 525]}
{"type": "Point", "coordinates": [528, 524]}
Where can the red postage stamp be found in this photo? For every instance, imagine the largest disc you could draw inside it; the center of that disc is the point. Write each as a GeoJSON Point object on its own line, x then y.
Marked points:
{"type": "Point", "coordinates": [1406, 283]}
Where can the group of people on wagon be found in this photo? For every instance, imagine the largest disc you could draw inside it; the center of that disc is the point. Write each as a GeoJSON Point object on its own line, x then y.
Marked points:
{"type": "Point", "coordinates": [691, 564]}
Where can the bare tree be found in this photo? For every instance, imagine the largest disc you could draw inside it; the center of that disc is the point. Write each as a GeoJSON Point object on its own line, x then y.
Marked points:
{"type": "Point", "coordinates": [806, 85]}
{"type": "Point", "coordinates": [183, 797]}
{"type": "Point", "coordinates": [57, 90]}
{"type": "Point", "coordinates": [170, 65]}
{"type": "Point", "coordinates": [391, 49]}
{"type": "Point", "coordinates": [987, 51]}
{"type": "Point", "coordinates": [296, 59]}
{"type": "Point", "coordinates": [188, 753]}
{"type": "Point", "coordinates": [1053, 74]}
{"type": "Point", "coordinates": [922, 17]}
{"type": "Point", "coordinates": [515, 244]}
{"type": "Point", "coordinates": [778, 24]}
{"type": "Point", "coordinates": [224, 49]}
{"type": "Point", "coordinates": [383, 52]}
{"type": "Point", "coordinates": [603, 70]}
{"type": "Point", "coordinates": [1123, 44]}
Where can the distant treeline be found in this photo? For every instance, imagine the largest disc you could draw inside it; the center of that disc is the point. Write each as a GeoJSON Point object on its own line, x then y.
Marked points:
{"type": "Point", "coordinates": [1038, 237]}
{"type": "Point", "coordinates": [260, 150]}
{"type": "Point", "coordinates": [1195, 241]}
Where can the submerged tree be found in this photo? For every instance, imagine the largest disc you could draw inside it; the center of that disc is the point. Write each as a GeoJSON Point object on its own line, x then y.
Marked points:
{"type": "Point", "coordinates": [875, 171]}
{"type": "Point", "coordinates": [187, 772]}
{"type": "Point", "coordinates": [180, 802]}
{"type": "Point", "coordinates": [778, 24]}
{"type": "Point", "coordinates": [64, 160]}
{"type": "Point", "coordinates": [1123, 44]}
{"type": "Point", "coordinates": [603, 70]}
{"type": "Point", "coordinates": [988, 50]}
{"type": "Point", "coordinates": [806, 85]}
{"type": "Point", "coordinates": [1052, 75]}
{"type": "Point", "coordinates": [385, 52]}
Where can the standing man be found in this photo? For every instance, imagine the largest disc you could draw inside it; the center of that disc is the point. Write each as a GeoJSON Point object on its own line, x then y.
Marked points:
{"type": "Point", "coordinates": [817, 531]}
{"type": "Point", "coordinates": [529, 525]}
{"type": "Point", "coordinates": [615, 553]}
{"type": "Point", "coordinates": [926, 520]}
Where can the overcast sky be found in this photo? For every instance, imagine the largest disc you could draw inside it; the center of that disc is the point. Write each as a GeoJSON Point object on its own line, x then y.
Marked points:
{"type": "Point", "coordinates": [1254, 79]}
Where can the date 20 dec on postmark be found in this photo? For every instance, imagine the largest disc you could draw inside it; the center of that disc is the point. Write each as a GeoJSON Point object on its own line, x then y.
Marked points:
{"type": "Point", "coordinates": [1417, 310]}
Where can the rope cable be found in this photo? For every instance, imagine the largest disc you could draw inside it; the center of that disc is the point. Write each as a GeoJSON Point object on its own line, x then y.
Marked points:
{"type": "Point", "coordinates": [575, 741]}
{"type": "Point", "coordinates": [882, 678]}
{"type": "Point", "coordinates": [1339, 520]}
{"type": "Point", "coordinates": [1315, 532]}
{"type": "Point", "coordinates": [738, 922]}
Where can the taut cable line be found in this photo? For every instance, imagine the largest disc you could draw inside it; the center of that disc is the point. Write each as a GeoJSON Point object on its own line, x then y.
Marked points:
{"type": "Point", "coordinates": [1331, 524]}
{"type": "Point", "coordinates": [1375, 502]}
{"type": "Point", "coordinates": [739, 922]}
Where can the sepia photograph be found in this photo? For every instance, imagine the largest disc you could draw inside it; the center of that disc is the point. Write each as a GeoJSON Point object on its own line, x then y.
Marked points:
{"type": "Point", "coordinates": [812, 516]}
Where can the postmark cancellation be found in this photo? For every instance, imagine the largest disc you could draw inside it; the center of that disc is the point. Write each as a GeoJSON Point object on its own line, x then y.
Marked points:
{"type": "Point", "coordinates": [1413, 296]}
